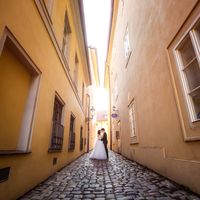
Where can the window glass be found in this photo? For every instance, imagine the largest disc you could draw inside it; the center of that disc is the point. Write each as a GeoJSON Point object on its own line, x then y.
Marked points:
{"type": "Point", "coordinates": [190, 71]}
{"type": "Point", "coordinates": [132, 119]}
{"type": "Point", "coordinates": [49, 4]}
{"type": "Point", "coordinates": [57, 128]}
{"type": "Point", "coordinates": [71, 146]}
{"type": "Point", "coordinates": [76, 68]}
{"type": "Point", "coordinates": [198, 31]}
{"type": "Point", "coordinates": [187, 51]}
{"type": "Point", "coordinates": [196, 102]}
{"type": "Point", "coordinates": [193, 75]}
{"type": "Point", "coordinates": [66, 36]}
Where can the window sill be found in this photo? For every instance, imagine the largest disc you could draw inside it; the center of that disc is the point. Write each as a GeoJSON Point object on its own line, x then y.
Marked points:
{"type": "Point", "coordinates": [196, 120]}
{"type": "Point", "coordinates": [55, 150]}
{"type": "Point", "coordinates": [132, 143]}
{"type": "Point", "coordinates": [134, 140]}
{"type": "Point", "coordinates": [13, 152]}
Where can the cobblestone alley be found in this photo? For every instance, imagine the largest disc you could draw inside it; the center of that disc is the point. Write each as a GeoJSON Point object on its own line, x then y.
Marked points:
{"type": "Point", "coordinates": [117, 178]}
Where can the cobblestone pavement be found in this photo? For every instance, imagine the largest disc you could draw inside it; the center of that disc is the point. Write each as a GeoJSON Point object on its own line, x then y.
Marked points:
{"type": "Point", "coordinates": [117, 178]}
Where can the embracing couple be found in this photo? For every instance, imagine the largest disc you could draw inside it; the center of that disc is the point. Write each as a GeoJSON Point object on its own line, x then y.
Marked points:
{"type": "Point", "coordinates": [100, 151]}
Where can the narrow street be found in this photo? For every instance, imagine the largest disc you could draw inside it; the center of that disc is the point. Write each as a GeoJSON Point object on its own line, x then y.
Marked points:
{"type": "Point", "coordinates": [117, 178]}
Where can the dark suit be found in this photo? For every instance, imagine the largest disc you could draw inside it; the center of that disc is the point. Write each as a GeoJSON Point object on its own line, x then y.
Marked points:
{"type": "Point", "coordinates": [105, 142]}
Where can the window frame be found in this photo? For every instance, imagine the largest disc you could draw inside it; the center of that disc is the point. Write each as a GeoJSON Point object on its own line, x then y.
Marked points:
{"type": "Point", "coordinates": [132, 122]}
{"type": "Point", "coordinates": [71, 147]}
{"type": "Point", "coordinates": [76, 71]}
{"type": "Point", "coordinates": [190, 130]}
{"type": "Point", "coordinates": [184, 82]}
{"type": "Point", "coordinates": [67, 32]}
{"type": "Point", "coordinates": [132, 119]}
{"type": "Point", "coordinates": [60, 123]}
{"type": "Point", "coordinates": [126, 40]}
{"type": "Point", "coordinates": [49, 5]}
{"type": "Point", "coordinates": [9, 40]}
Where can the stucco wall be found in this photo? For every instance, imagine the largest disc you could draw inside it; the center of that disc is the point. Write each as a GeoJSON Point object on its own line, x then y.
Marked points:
{"type": "Point", "coordinates": [146, 78]}
{"type": "Point", "coordinates": [25, 23]}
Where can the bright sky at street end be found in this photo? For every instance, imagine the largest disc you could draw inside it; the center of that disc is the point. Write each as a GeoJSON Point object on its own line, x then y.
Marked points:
{"type": "Point", "coordinates": [101, 99]}
{"type": "Point", "coordinates": [97, 20]}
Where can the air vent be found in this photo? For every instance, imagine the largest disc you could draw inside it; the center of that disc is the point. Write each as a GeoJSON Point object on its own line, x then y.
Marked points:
{"type": "Point", "coordinates": [55, 161]}
{"type": "Point", "coordinates": [4, 174]}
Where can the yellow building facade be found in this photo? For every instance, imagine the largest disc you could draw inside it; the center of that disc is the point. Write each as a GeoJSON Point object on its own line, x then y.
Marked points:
{"type": "Point", "coordinates": [154, 66]}
{"type": "Point", "coordinates": [44, 103]}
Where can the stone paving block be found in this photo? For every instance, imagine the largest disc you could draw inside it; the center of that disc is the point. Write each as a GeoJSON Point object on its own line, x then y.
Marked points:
{"type": "Point", "coordinates": [62, 196]}
{"type": "Point", "coordinates": [36, 197]}
{"type": "Point", "coordinates": [125, 198]}
{"type": "Point", "coordinates": [110, 196]}
{"type": "Point", "coordinates": [86, 198]}
{"type": "Point", "coordinates": [118, 178]}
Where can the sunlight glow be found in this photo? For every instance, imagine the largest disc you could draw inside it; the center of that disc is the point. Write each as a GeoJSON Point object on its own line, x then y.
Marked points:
{"type": "Point", "coordinates": [100, 99]}
{"type": "Point", "coordinates": [97, 19]}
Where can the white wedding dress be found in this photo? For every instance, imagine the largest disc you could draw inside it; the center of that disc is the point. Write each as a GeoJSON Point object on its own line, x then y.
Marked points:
{"type": "Point", "coordinates": [99, 151]}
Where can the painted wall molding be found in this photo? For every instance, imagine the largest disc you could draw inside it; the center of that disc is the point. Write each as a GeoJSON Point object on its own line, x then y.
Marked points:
{"type": "Point", "coordinates": [25, 136]}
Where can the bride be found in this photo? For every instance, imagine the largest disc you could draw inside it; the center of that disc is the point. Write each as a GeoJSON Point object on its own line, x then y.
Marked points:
{"type": "Point", "coordinates": [99, 151]}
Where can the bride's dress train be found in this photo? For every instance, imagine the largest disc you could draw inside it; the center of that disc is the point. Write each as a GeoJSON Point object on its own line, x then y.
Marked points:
{"type": "Point", "coordinates": [99, 151]}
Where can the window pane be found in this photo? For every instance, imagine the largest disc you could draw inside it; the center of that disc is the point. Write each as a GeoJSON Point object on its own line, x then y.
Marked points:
{"type": "Point", "coordinates": [198, 31]}
{"type": "Point", "coordinates": [67, 28]}
{"type": "Point", "coordinates": [72, 137]}
{"type": "Point", "coordinates": [196, 102]}
{"type": "Point", "coordinates": [66, 36]}
{"type": "Point", "coordinates": [193, 75]}
{"type": "Point", "coordinates": [57, 111]}
{"type": "Point", "coordinates": [132, 120]}
{"type": "Point", "coordinates": [57, 128]}
{"type": "Point", "coordinates": [187, 51]}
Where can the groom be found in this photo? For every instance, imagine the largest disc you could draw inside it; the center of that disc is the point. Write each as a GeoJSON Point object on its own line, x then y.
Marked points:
{"type": "Point", "coordinates": [105, 141]}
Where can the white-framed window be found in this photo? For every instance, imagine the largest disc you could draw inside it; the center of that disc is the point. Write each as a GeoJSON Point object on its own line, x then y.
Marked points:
{"type": "Point", "coordinates": [49, 5]}
{"type": "Point", "coordinates": [72, 137]}
{"type": "Point", "coordinates": [25, 81]}
{"type": "Point", "coordinates": [187, 54]}
{"type": "Point", "coordinates": [132, 119]}
{"type": "Point", "coordinates": [57, 132]}
{"type": "Point", "coordinates": [76, 69]}
{"type": "Point", "coordinates": [127, 47]}
{"type": "Point", "coordinates": [66, 36]}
